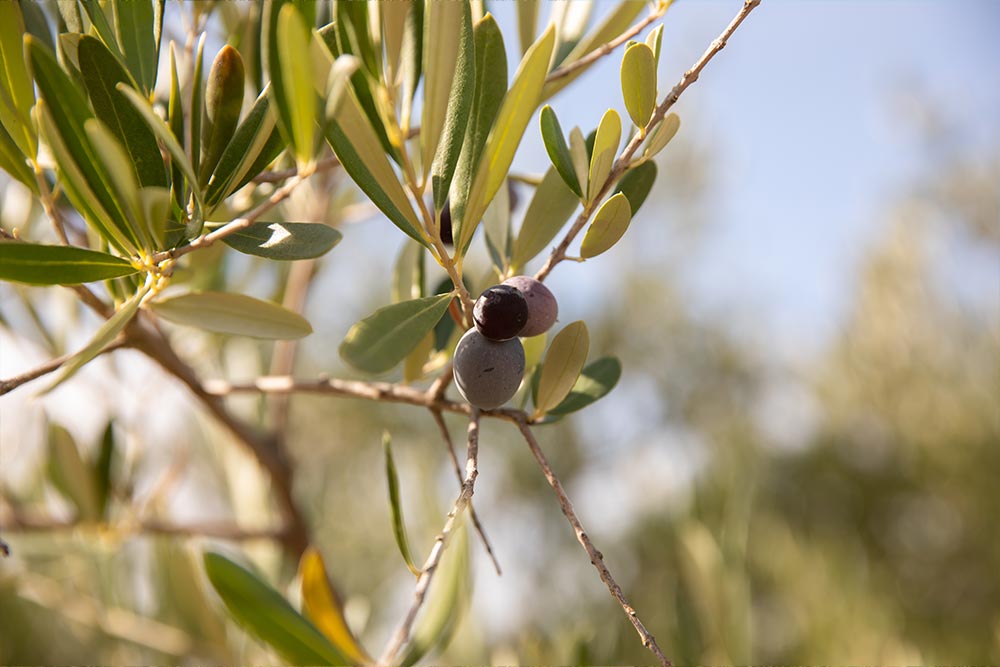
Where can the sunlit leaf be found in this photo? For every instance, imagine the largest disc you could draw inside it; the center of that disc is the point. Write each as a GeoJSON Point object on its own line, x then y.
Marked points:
{"type": "Point", "coordinates": [637, 183]}
{"type": "Point", "coordinates": [235, 314]}
{"type": "Point", "coordinates": [292, 82]}
{"type": "Point", "coordinates": [394, 15]}
{"type": "Point", "coordinates": [398, 527]}
{"type": "Point", "coordinates": [594, 383]}
{"type": "Point", "coordinates": [36, 264]}
{"type": "Point", "coordinates": [135, 26]}
{"type": "Point", "coordinates": [267, 615]}
{"type": "Point", "coordinates": [17, 95]}
{"type": "Point", "coordinates": [661, 136]}
{"type": "Point", "coordinates": [175, 121]}
{"type": "Point", "coordinates": [562, 366]}
{"type": "Point", "coordinates": [285, 240]}
{"type": "Point", "coordinates": [124, 186]}
{"type": "Point", "coordinates": [548, 211]}
{"type": "Point", "coordinates": [515, 112]}
{"type": "Point", "coordinates": [382, 340]}
{"type": "Point", "coordinates": [638, 76]}
{"type": "Point", "coordinates": [570, 18]}
{"type": "Point", "coordinates": [197, 86]}
{"type": "Point", "coordinates": [609, 134]}
{"type": "Point", "coordinates": [654, 40]}
{"type": "Point", "coordinates": [609, 225]}
{"type": "Point", "coordinates": [527, 22]}
{"type": "Point", "coordinates": [558, 150]}
{"type": "Point", "coordinates": [411, 59]}
{"type": "Point", "coordinates": [156, 211]}
{"type": "Point", "coordinates": [223, 102]}
{"type": "Point", "coordinates": [580, 156]}
{"type": "Point", "coordinates": [322, 606]}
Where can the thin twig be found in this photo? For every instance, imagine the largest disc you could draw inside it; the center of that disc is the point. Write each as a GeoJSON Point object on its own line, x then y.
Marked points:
{"type": "Point", "coordinates": [21, 523]}
{"type": "Point", "coordinates": [621, 164]}
{"type": "Point", "coordinates": [327, 163]}
{"type": "Point", "coordinates": [595, 556]}
{"type": "Point", "coordinates": [608, 47]}
{"type": "Point", "coordinates": [450, 447]}
{"type": "Point", "coordinates": [6, 386]}
{"type": "Point", "coordinates": [402, 634]}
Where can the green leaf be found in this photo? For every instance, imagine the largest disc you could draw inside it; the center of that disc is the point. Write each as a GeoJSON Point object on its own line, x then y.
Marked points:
{"type": "Point", "coordinates": [614, 24]}
{"type": "Point", "coordinates": [57, 264]}
{"type": "Point", "coordinates": [555, 146]}
{"type": "Point", "coordinates": [175, 121]}
{"type": "Point", "coordinates": [123, 184]}
{"type": "Point", "coordinates": [69, 11]}
{"type": "Point", "coordinates": [103, 470]}
{"type": "Point", "coordinates": [71, 475]}
{"type": "Point", "coordinates": [99, 23]}
{"type": "Point", "coordinates": [446, 601]}
{"type": "Point", "coordinates": [594, 383]}
{"type": "Point", "coordinates": [412, 59]}
{"type": "Point", "coordinates": [134, 21]}
{"type": "Point", "coordinates": [267, 615]}
{"type": "Point", "coordinates": [398, 528]}
{"type": "Point", "coordinates": [490, 86]}
{"type": "Point", "coordinates": [654, 40]}
{"type": "Point", "coordinates": [354, 36]}
{"type": "Point", "coordinates": [285, 240]}
{"type": "Point", "coordinates": [17, 95]}
{"type": "Point", "coordinates": [256, 139]}
{"type": "Point", "coordinates": [452, 95]}
{"type": "Point", "coordinates": [637, 183]}
{"type": "Point", "coordinates": [382, 340]}
{"type": "Point", "coordinates": [527, 22]}
{"type": "Point", "coordinates": [496, 228]}
{"type": "Point", "coordinates": [234, 314]}
{"type": "Point", "coordinates": [156, 211]}
{"type": "Point", "coordinates": [223, 102]}
{"type": "Point", "coordinates": [292, 82]}
{"type": "Point", "coordinates": [354, 141]}
{"type": "Point", "coordinates": [661, 136]}
{"type": "Point", "coordinates": [608, 227]}
{"type": "Point", "coordinates": [609, 134]}
{"type": "Point", "coordinates": [322, 606]}
{"type": "Point", "coordinates": [562, 366]}
{"type": "Point", "coordinates": [13, 161]}
{"type": "Point", "coordinates": [105, 334]}
{"type": "Point", "coordinates": [196, 105]}
{"type": "Point", "coordinates": [571, 19]}
{"type": "Point", "coordinates": [101, 73]}
{"type": "Point", "coordinates": [548, 211]}
{"type": "Point", "coordinates": [515, 112]}
{"type": "Point", "coordinates": [638, 75]}
{"type": "Point", "coordinates": [394, 16]}
{"type": "Point", "coordinates": [581, 157]}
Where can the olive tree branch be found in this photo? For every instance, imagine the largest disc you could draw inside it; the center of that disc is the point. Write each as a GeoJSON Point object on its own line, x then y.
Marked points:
{"type": "Point", "coordinates": [608, 47]}
{"type": "Point", "coordinates": [621, 164]}
{"type": "Point", "coordinates": [596, 558]}
{"type": "Point", "coordinates": [402, 634]}
{"type": "Point", "coordinates": [450, 447]}
{"type": "Point", "coordinates": [9, 385]}
{"type": "Point", "coordinates": [325, 164]}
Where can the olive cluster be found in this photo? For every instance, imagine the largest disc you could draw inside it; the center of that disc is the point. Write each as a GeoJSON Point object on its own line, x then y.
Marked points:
{"type": "Point", "coordinates": [489, 358]}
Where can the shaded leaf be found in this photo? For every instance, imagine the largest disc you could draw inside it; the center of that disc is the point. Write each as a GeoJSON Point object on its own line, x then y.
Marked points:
{"type": "Point", "coordinates": [548, 211]}
{"type": "Point", "coordinates": [580, 156]}
{"type": "Point", "coordinates": [555, 146]}
{"type": "Point", "coordinates": [135, 24]}
{"type": "Point", "coordinates": [594, 383]}
{"type": "Point", "coordinates": [323, 607]}
{"type": "Point", "coordinates": [70, 474]}
{"type": "Point", "coordinates": [223, 102]}
{"type": "Point", "coordinates": [197, 103]}
{"type": "Point", "coordinates": [638, 77]}
{"type": "Point", "coordinates": [496, 228]}
{"type": "Point", "coordinates": [602, 159]}
{"type": "Point", "coordinates": [408, 273]}
{"type": "Point", "coordinates": [527, 22]}
{"type": "Point", "coordinates": [14, 162]}
{"type": "Point", "coordinates": [562, 366]}
{"type": "Point", "coordinates": [100, 24]}
{"type": "Point", "coordinates": [123, 183]}
{"type": "Point", "coordinates": [36, 264]}
{"type": "Point", "coordinates": [103, 470]}
{"type": "Point", "coordinates": [235, 314]}
{"type": "Point", "coordinates": [382, 340]}
{"type": "Point", "coordinates": [661, 136]}
{"type": "Point", "coordinates": [394, 15]}
{"type": "Point", "coordinates": [267, 615]}
{"type": "Point", "coordinates": [398, 527]}
{"type": "Point", "coordinates": [609, 225]}
{"type": "Point", "coordinates": [637, 183]}
{"type": "Point", "coordinates": [285, 240]}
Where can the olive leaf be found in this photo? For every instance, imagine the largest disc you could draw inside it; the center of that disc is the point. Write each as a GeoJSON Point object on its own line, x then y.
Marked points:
{"type": "Point", "coordinates": [562, 366]}
{"type": "Point", "coordinates": [609, 225]}
{"type": "Point", "coordinates": [383, 339]}
{"type": "Point", "coordinates": [235, 314]}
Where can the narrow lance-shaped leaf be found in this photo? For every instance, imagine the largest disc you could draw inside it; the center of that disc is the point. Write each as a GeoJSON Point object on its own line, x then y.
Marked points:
{"type": "Point", "coordinates": [602, 159]}
{"type": "Point", "coordinates": [267, 615]}
{"type": "Point", "coordinates": [196, 105]}
{"type": "Point", "coordinates": [515, 112]}
{"type": "Point", "coordinates": [14, 162]}
{"type": "Point", "coordinates": [496, 228]}
{"type": "Point", "coordinates": [134, 21]}
{"type": "Point", "coordinates": [293, 89]}
{"type": "Point", "coordinates": [638, 77]}
{"type": "Point", "coordinates": [411, 59]}
{"type": "Point", "coordinates": [457, 105]}
{"type": "Point", "coordinates": [379, 342]}
{"type": "Point", "coordinates": [394, 15]}
{"type": "Point", "coordinates": [284, 241]}
{"type": "Point", "coordinates": [490, 85]}
{"type": "Point", "coordinates": [398, 527]}
{"type": "Point", "coordinates": [581, 158]}
{"type": "Point", "coordinates": [609, 225]}
{"type": "Point", "coordinates": [548, 211]}
{"type": "Point", "coordinates": [70, 474]}
{"type": "Point", "coordinates": [99, 22]}
{"type": "Point", "coordinates": [36, 264]}
{"type": "Point", "coordinates": [102, 338]}
{"type": "Point", "coordinates": [555, 146]}
{"type": "Point", "coordinates": [103, 469]}
{"type": "Point", "coordinates": [101, 73]}
{"type": "Point", "coordinates": [637, 183]}
{"type": "Point", "coordinates": [17, 95]}
{"type": "Point", "coordinates": [175, 121]}
{"type": "Point", "coordinates": [322, 606]}
{"type": "Point", "coordinates": [234, 314]}
{"type": "Point", "coordinates": [444, 25]}
{"type": "Point", "coordinates": [562, 366]}
{"type": "Point", "coordinates": [527, 22]}
{"type": "Point", "coordinates": [223, 102]}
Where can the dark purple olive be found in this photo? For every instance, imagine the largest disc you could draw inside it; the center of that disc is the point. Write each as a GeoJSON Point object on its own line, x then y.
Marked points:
{"type": "Point", "coordinates": [500, 312]}
{"type": "Point", "coordinates": [487, 372]}
{"type": "Point", "coordinates": [446, 236]}
{"type": "Point", "coordinates": [542, 306]}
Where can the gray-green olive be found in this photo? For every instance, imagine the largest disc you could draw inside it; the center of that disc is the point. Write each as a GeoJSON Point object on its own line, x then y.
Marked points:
{"type": "Point", "coordinates": [488, 373]}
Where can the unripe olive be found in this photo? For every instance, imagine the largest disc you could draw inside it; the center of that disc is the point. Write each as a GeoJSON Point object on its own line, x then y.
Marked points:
{"type": "Point", "coordinates": [500, 312]}
{"type": "Point", "coordinates": [487, 372]}
{"type": "Point", "coordinates": [542, 306]}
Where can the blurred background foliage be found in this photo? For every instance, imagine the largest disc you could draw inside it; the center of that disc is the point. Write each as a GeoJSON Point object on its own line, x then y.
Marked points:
{"type": "Point", "coordinates": [756, 506]}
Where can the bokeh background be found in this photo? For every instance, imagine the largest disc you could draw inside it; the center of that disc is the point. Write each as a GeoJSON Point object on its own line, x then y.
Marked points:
{"type": "Point", "coordinates": [800, 464]}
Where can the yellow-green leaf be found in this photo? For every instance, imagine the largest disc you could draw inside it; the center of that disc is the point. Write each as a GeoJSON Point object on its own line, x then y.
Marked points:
{"type": "Point", "coordinates": [398, 527]}
{"type": "Point", "coordinates": [323, 607]}
{"type": "Point", "coordinates": [637, 183]}
{"type": "Point", "coordinates": [638, 77]}
{"type": "Point", "coordinates": [123, 182]}
{"type": "Point", "coordinates": [445, 27]}
{"type": "Point", "coordinates": [548, 211]}
{"type": "Point", "coordinates": [17, 95]}
{"type": "Point", "coordinates": [294, 91]}
{"type": "Point", "coordinates": [285, 241]}
{"type": "Point", "coordinates": [527, 22]}
{"type": "Point", "coordinates": [383, 339]}
{"type": "Point", "coordinates": [654, 40]}
{"type": "Point", "coordinates": [608, 227]}
{"type": "Point", "coordinates": [580, 156]}
{"type": "Point", "coordinates": [235, 314]}
{"type": "Point", "coordinates": [393, 14]}
{"type": "Point", "coordinates": [36, 264]}
{"type": "Point", "coordinates": [661, 136]}
{"type": "Point", "coordinates": [609, 134]}
{"type": "Point", "coordinates": [562, 366]}
{"type": "Point", "coordinates": [555, 146]}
